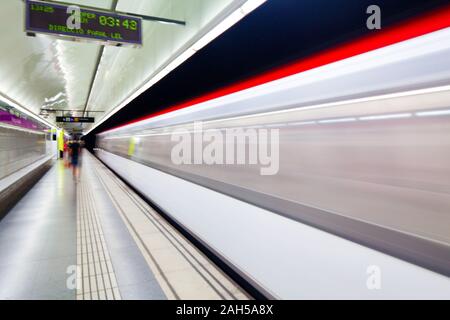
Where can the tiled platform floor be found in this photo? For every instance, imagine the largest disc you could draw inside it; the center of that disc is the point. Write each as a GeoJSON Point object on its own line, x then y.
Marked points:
{"type": "Point", "coordinates": [93, 238]}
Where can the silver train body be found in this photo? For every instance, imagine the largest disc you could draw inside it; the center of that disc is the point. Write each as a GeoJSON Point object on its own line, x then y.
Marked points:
{"type": "Point", "coordinates": [364, 149]}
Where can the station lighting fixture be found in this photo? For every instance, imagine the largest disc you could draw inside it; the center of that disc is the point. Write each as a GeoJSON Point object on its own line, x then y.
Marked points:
{"type": "Point", "coordinates": [27, 112]}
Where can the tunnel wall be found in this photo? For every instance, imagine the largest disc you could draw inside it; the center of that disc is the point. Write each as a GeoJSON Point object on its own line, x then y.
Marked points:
{"type": "Point", "coordinates": [20, 148]}
{"type": "Point", "coordinates": [25, 156]}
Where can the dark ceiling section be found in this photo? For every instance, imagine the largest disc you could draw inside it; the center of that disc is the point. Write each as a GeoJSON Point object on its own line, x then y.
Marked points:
{"type": "Point", "coordinates": [277, 33]}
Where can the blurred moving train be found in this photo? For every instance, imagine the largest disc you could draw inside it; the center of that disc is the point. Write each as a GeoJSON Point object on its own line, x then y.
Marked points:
{"type": "Point", "coordinates": [363, 181]}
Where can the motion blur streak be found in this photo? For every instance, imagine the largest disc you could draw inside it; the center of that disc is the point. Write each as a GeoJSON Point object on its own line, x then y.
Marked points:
{"type": "Point", "coordinates": [364, 148]}
{"type": "Point", "coordinates": [434, 21]}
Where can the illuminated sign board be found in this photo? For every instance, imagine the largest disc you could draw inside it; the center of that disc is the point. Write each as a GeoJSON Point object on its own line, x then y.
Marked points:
{"type": "Point", "coordinates": [95, 25]}
{"type": "Point", "coordinates": [75, 119]}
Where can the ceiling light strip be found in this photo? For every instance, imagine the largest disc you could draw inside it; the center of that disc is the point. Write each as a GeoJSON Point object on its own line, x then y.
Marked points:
{"type": "Point", "coordinates": [26, 111]}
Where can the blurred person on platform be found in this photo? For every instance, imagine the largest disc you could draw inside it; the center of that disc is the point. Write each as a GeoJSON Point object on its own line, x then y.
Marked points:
{"type": "Point", "coordinates": [75, 153]}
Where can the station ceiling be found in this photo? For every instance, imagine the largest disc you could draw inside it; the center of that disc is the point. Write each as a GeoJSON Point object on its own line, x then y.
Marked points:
{"type": "Point", "coordinates": [44, 72]}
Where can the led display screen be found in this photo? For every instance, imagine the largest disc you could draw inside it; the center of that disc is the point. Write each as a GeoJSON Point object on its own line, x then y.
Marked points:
{"type": "Point", "coordinates": [106, 27]}
{"type": "Point", "coordinates": [75, 119]}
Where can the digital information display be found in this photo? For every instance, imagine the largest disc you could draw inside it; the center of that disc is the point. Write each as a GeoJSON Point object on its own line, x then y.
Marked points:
{"type": "Point", "coordinates": [106, 27]}
{"type": "Point", "coordinates": [75, 119]}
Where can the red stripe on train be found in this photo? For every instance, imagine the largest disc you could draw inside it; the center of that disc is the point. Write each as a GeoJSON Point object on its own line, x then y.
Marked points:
{"type": "Point", "coordinates": [434, 21]}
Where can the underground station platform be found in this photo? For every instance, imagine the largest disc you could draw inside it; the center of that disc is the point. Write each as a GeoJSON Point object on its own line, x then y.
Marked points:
{"type": "Point", "coordinates": [224, 158]}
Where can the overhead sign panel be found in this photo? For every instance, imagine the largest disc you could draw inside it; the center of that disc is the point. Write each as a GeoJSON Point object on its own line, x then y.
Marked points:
{"type": "Point", "coordinates": [94, 25]}
{"type": "Point", "coordinates": [75, 119]}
